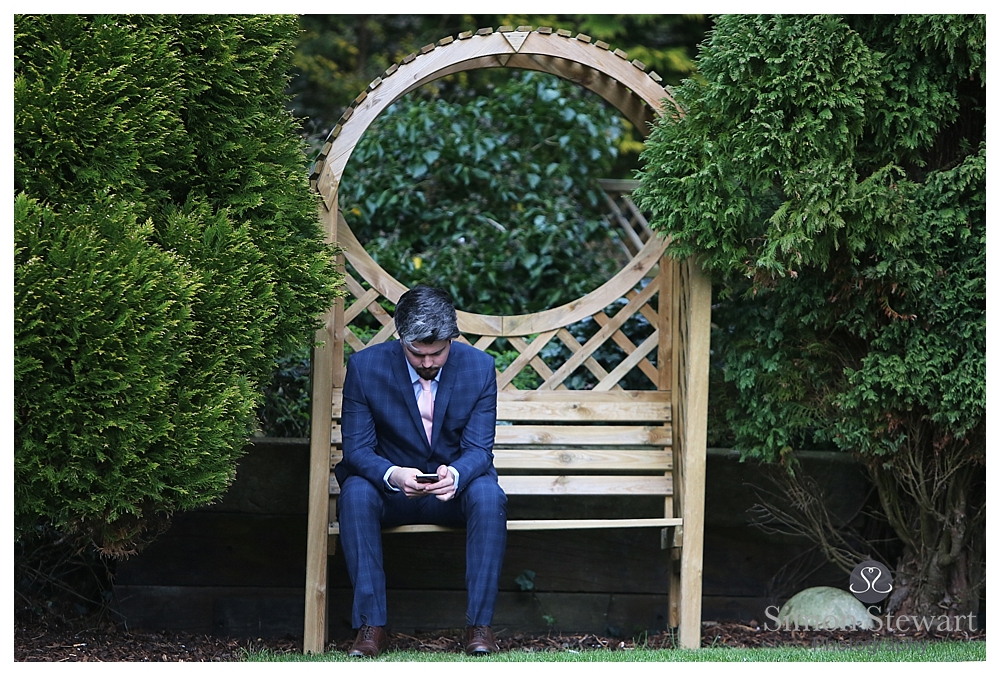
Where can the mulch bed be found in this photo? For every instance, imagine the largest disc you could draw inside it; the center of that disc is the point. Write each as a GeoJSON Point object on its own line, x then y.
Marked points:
{"type": "Point", "coordinates": [41, 641]}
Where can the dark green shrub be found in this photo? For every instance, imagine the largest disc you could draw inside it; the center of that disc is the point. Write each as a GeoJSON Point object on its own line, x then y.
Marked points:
{"type": "Point", "coordinates": [832, 173]}
{"type": "Point", "coordinates": [494, 198]}
{"type": "Point", "coordinates": [286, 407]}
{"type": "Point", "coordinates": [167, 249]}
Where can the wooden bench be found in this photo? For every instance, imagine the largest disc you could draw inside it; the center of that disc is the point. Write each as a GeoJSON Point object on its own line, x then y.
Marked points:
{"type": "Point", "coordinates": [579, 444]}
{"type": "Point", "coordinates": [572, 443]}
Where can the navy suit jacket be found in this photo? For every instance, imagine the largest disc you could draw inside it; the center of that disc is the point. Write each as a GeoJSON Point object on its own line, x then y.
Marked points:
{"type": "Point", "coordinates": [381, 423]}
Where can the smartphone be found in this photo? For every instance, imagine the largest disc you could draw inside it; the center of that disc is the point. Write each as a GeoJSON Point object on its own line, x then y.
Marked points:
{"type": "Point", "coordinates": [428, 478]}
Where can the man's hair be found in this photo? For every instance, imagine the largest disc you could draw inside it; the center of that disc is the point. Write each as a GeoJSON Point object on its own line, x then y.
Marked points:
{"type": "Point", "coordinates": [425, 314]}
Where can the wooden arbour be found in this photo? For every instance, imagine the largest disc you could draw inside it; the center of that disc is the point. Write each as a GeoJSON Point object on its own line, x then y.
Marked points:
{"type": "Point", "coordinates": [673, 297]}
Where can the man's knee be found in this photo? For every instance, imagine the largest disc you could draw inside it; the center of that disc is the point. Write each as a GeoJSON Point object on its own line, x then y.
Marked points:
{"type": "Point", "coordinates": [484, 493]}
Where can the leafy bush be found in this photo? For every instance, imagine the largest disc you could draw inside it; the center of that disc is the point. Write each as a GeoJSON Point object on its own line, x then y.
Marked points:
{"type": "Point", "coordinates": [494, 198]}
{"type": "Point", "coordinates": [166, 251]}
{"type": "Point", "coordinates": [832, 173]}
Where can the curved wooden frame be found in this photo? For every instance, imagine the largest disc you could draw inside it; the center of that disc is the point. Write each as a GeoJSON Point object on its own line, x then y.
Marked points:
{"type": "Point", "coordinates": [622, 83]}
{"type": "Point", "coordinates": [513, 325]}
{"type": "Point", "coordinates": [640, 98]}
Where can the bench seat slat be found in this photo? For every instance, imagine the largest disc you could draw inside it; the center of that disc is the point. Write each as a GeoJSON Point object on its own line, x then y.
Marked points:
{"type": "Point", "coordinates": [569, 435]}
{"type": "Point", "coordinates": [579, 459]}
{"type": "Point", "coordinates": [570, 406]}
{"type": "Point", "coordinates": [539, 524]}
{"type": "Point", "coordinates": [586, 485]}
{"type": "Point", "coordinates": [574, 485]}
{"type": "Point", "coordinates": [570, 459]}
{"type": "Point", "coordinates": [584, 411]}
{"type": "Point", "coordinates": [604, 435]}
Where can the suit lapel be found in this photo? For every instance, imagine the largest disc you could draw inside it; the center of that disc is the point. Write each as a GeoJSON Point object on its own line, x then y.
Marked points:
{"type": "Point", "coordinates": [401, 375]}
{"type": "Point", "coordinates": [445, 385]}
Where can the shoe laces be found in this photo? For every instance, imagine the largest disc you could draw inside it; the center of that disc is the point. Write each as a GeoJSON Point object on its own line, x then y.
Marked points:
{"type": "Point", "coordinates": [368, 633]}
{"type": "Point", "coordinates": [479, 631]}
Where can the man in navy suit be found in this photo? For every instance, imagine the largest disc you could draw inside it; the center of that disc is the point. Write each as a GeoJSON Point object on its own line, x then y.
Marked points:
{"type": "Point", "coordinates": [422, 405]}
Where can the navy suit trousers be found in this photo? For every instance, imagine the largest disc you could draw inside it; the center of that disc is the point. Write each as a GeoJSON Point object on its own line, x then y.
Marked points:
{"type": "Point", "coordinates": [364, 509]}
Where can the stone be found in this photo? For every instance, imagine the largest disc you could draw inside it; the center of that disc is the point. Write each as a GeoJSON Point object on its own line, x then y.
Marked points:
{"type": "Point", "coordinates": [824, 608]}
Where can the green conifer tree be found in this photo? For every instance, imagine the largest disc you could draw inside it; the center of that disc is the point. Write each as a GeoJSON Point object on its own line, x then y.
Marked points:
{"type": "Point", "coordinates": [167, 249]}
{"type": "Point", "coordinates": [832, 172]}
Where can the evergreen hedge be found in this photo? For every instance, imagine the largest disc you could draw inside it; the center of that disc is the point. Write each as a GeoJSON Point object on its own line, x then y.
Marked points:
{"type": "Point", "coordinates": [831, 172]}
{"type": "Point", "coordinates": [167, 250]}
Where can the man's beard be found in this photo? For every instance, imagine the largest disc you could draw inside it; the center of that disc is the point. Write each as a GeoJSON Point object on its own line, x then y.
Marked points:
{"type": "Point", "coordinates": [428, 373]}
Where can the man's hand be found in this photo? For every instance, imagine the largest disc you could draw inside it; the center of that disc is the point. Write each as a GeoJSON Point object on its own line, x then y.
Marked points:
{"type": "Point", "coordinates": [444, 489]}
{"type": "Point", "coordinates": [405, 479]}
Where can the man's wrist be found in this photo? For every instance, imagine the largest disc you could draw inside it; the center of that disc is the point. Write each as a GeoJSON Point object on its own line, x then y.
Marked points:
{"type": "Point", "coordinates": [386, 477]}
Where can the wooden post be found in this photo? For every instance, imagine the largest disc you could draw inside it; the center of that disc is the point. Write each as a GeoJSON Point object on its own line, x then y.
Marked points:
{"type": "Point", "coordinates": [699, 311]}
{"type": "Point", "coordinates": [318, 523]}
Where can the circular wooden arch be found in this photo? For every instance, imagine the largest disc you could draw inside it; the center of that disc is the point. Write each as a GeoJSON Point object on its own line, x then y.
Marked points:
{"type": "Point", "coordinates": [638, 95]}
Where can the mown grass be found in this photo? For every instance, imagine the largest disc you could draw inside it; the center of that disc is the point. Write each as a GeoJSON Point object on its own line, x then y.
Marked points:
{"type": "Point", "coordinates": [875, 651]}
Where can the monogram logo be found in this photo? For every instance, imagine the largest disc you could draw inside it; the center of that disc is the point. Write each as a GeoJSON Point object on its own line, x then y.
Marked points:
{"type": "Point", "coordinates": [871, 582]}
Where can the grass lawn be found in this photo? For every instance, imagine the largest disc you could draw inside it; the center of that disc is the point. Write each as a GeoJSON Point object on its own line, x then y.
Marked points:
{"type": "Point", "coordinates": [875, 651]}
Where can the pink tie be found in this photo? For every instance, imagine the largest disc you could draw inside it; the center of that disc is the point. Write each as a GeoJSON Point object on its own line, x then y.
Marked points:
{"type": "Point", "coordinates": [425, 402]}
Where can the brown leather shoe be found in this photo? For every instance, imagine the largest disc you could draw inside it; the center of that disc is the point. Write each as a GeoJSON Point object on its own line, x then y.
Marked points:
{"type": "Point", "coordinates": [371, 642]}
{"type": "Point", "coordinates": [479, 640]}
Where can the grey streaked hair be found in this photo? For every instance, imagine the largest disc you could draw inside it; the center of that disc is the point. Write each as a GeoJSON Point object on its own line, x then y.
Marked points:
{"type": "Point", "coordinates": [425, 314]}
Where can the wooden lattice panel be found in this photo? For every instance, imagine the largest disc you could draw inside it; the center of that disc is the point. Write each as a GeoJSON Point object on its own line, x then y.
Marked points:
{"type": "Point", "coordinates": [551, 357]}
{"type": "Point", "coordinates": [609, 340]}
{"type": "Point", "coordinates": [624, 218]}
